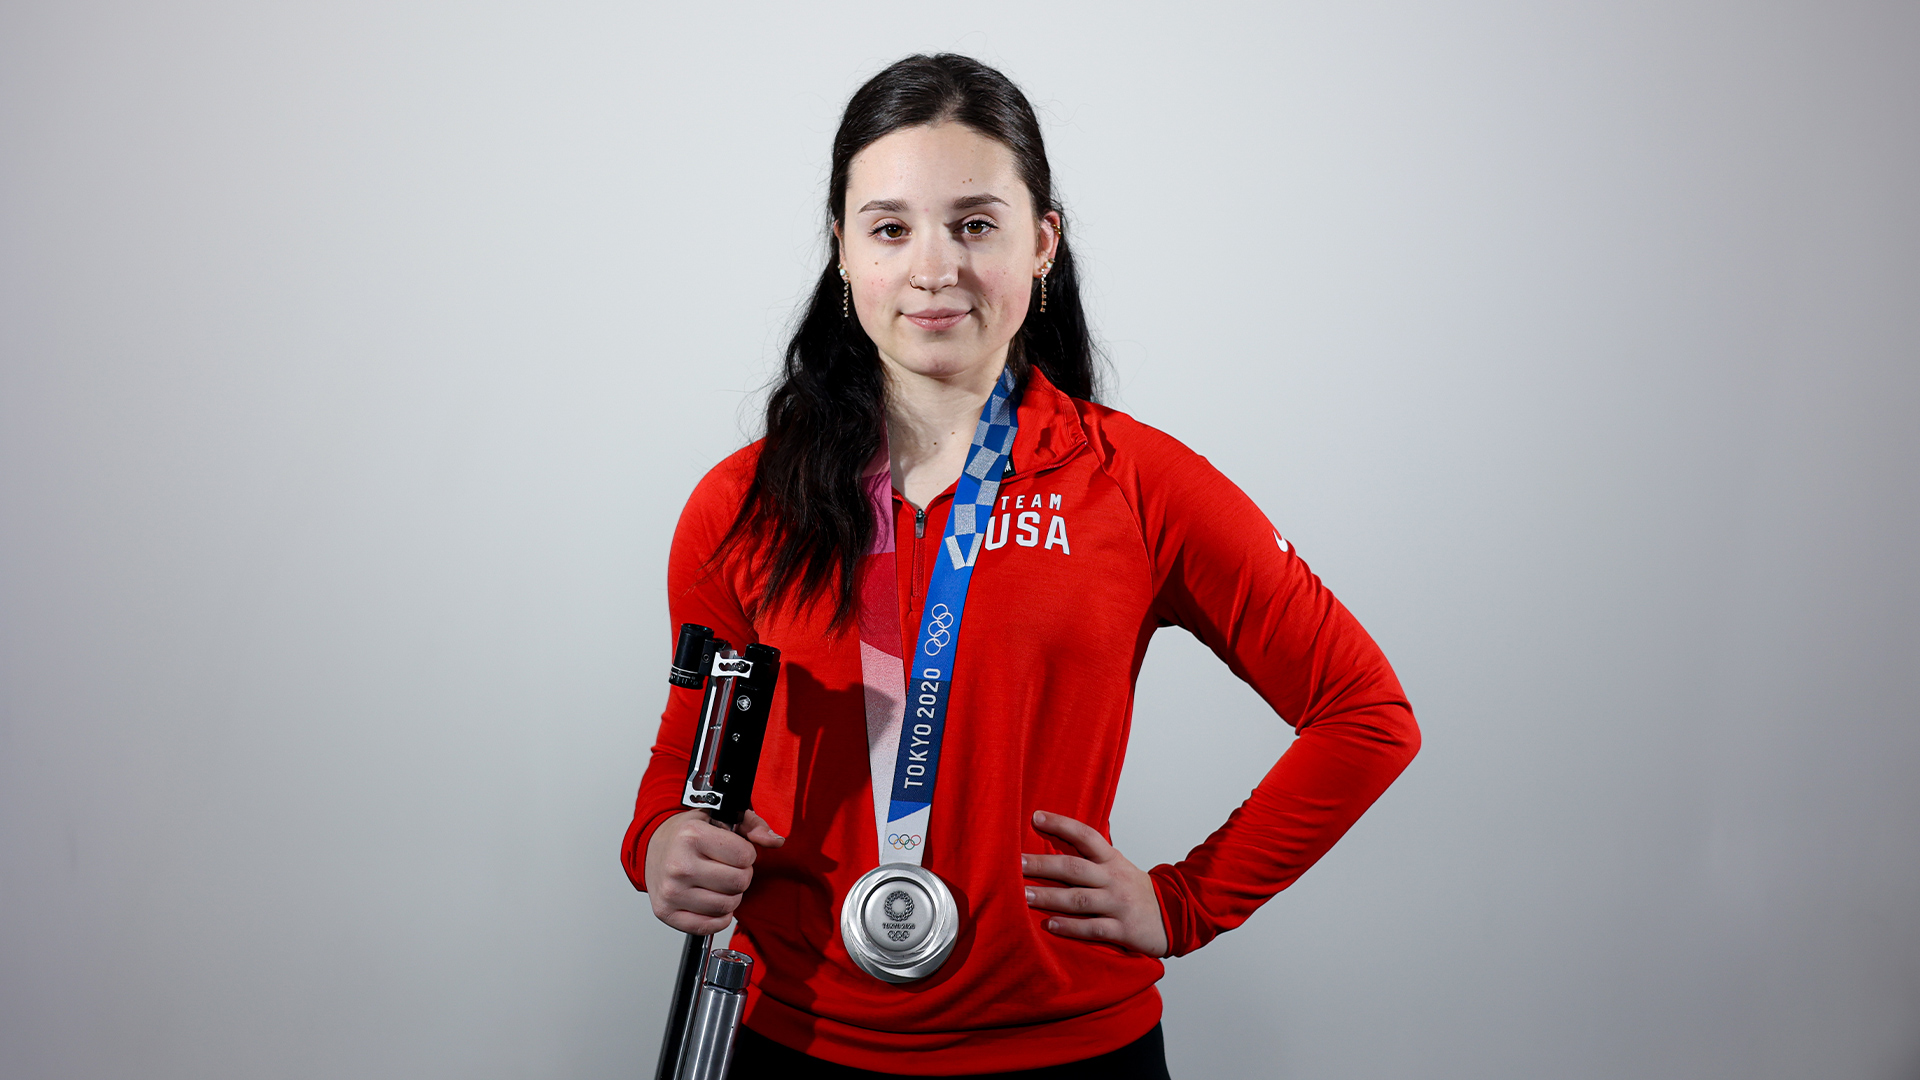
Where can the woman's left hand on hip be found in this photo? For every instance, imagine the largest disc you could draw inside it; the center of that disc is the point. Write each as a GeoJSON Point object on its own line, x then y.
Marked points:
{"type": "Point", "coordinates": [1109, 898]}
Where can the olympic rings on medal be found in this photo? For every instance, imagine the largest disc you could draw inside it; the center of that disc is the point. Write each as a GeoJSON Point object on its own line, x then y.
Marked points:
{"type": "Point", "coordinates": [903, 841]}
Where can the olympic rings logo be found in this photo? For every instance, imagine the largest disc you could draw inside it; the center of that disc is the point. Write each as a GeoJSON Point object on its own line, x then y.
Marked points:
{"type": "Point", "coordinates": [904, 842]}
{"type": "Point", "coordinates": [941, 629]}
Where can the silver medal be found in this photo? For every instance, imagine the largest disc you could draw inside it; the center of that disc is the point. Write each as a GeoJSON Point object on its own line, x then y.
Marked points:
{"type": "Point", "coordinates": [899, 922]}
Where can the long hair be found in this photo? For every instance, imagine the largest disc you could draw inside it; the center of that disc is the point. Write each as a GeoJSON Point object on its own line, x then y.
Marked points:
{"type": "Point", "coordinates": [805, 511]}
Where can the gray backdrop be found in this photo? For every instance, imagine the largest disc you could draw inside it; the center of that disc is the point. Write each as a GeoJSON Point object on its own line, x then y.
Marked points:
{"type": "Point", "coordinates": [355, 359]}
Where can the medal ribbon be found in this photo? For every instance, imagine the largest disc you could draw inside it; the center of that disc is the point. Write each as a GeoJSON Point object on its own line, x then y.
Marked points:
{"type": "Point", "coordinates": [907, 696]}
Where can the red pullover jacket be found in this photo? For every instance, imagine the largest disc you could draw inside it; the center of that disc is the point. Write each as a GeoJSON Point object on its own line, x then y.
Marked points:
{"type": "Point", "coordinates": [1106, 531]}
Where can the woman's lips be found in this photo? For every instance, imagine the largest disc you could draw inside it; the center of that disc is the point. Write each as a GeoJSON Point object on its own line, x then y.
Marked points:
{"type": "Point", "coordinates": [936, 318]}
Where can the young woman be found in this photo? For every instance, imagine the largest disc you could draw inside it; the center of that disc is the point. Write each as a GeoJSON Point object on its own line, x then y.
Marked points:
{"type": "Point", "coordinates": [962, 559]}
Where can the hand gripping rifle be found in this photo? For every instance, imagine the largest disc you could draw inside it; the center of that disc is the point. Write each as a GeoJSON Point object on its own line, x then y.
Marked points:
{"type": "Point", "coordinates": [710, 989]}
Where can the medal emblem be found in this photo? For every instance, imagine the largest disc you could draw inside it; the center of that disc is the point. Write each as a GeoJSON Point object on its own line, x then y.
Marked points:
{"type": "Point", "coordinates": [899, 922]}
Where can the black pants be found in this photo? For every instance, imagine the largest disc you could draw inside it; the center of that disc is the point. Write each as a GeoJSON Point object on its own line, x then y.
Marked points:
{"type": "Point", "coordinates": [756, 1057]}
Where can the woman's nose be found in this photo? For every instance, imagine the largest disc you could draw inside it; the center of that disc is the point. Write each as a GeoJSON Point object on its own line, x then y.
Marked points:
{"type": "Point", "coordinates": [936, 266]}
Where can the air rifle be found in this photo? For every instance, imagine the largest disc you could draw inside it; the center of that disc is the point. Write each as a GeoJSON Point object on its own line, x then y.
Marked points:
{"type": "Point", "coordinates": [710, 986]}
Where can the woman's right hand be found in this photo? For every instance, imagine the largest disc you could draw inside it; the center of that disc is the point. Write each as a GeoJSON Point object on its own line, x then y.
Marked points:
{"type": "Point", "coordinates": [697, 869]}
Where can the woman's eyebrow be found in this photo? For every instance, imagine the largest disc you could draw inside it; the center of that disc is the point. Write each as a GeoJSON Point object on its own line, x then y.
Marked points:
{"type": "Point", "coordinates": [985, 198]}
{"type": "Point", "coordinates": [966, 202]}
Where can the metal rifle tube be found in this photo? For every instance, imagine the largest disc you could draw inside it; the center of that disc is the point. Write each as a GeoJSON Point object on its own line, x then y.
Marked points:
{"type": "Point", "coordinates": [686, 986]}
{"type": "Point", "coordinates": [716, 1017]}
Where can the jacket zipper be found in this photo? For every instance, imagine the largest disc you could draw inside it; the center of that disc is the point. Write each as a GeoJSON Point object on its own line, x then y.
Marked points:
{"type": "Point", "coordinates": [913, 581]}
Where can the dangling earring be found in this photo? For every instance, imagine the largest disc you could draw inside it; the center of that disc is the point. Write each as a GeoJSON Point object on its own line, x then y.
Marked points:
{"type": "Point", "coordinates": [846, 293]}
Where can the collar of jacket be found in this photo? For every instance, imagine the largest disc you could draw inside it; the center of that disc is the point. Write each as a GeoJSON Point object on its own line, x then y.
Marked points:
{"type": "Point", "coordinates": [1051, 430]}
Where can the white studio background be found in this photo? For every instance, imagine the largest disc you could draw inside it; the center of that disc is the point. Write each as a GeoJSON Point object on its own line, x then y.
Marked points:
{"type": "Point", "coordinates": [355, 360]}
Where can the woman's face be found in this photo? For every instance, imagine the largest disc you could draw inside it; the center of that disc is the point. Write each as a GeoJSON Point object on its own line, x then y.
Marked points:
{"type": "Point", "coordinates": [941, 248]}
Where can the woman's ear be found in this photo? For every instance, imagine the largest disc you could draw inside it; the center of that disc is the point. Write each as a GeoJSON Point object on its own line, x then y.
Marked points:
{"type": "Point", "coordinates": [1049, 239]}
{"type": "Point", "coordinates": [839, 246]}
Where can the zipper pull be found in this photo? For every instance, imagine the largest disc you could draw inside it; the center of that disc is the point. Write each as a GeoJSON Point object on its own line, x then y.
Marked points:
{"type": "Point", "coordinates": [919, 523]}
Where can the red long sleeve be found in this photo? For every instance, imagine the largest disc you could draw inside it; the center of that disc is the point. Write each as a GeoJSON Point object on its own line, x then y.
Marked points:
{"type": "Point", "coordinates": [1227, 576]}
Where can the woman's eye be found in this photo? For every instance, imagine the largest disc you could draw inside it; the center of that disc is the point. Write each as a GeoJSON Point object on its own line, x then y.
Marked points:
{"type": "Point", "coordinates": [978, 228]}
{"type": "Point", "coordinates": [892, 230]}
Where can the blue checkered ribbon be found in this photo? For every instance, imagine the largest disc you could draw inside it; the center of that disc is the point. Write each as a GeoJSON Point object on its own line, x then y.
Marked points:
{"type": "Point", "coordinates": [930, 667]}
